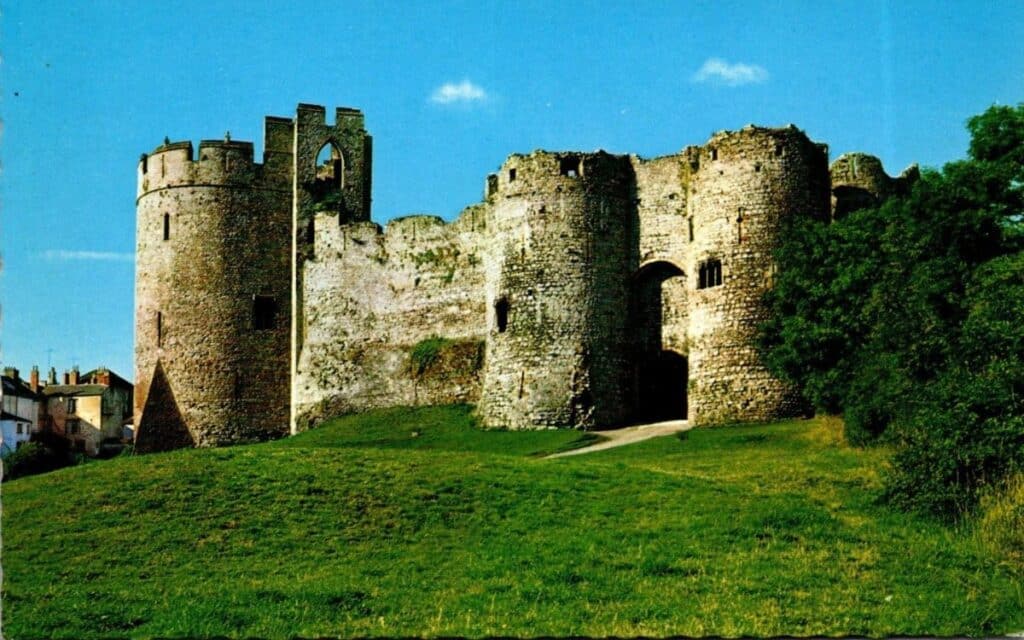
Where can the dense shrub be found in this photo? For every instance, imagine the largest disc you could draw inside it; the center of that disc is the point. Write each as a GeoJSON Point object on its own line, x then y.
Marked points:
{"type": "Point", "coordinates": [35, 457]}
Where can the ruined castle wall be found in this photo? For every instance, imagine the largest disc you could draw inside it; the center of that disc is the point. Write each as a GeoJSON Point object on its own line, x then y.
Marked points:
{"type": "Point", "coordinates": [745, 184]}
{"type": "Point", "coordinates": [557, 269]}
{"type": "Point", "coordinates": [372, 295]}
{"type": "Point", "coordinates": [211, 237]}
{"type": "Point", "coordinates": [348, 199]}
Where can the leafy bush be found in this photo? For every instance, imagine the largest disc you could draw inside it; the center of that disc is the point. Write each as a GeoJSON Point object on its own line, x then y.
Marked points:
{"type": "Point", "coordinates": [425, 353]}
{"type": "Point", "coordinates": [35, 457]}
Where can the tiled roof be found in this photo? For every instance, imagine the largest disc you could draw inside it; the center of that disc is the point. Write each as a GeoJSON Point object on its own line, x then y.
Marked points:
{"type": "Point", "coordinates": [17, 388]}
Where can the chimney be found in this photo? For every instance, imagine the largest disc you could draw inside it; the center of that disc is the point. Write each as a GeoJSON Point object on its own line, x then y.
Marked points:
{"type": "Point", "coordinates": [11, 372]}
{"type": "Point", "coordinates": [33, 379]}
{"type": "Point", "coordinates": [51, 377]}
{"type": "Point", "coordinates": [74, 374]}
{"type": "Point", "coordinates": [67, 378]}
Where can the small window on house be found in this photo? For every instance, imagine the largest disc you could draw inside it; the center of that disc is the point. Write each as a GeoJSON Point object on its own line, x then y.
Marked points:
{"type": "Point", "coordinates": [72, 405]}
{"type": "Point", "coordinates": [19, 429]}
{"type": "Point", "coordinates": [159, 329]}
{"type": "Point", "coordinates": [569, 166]}
{"type": "Point", "coordinates": [709, 274]}
{"type": "Point", "coordinates": [167, 226]}
{"type": "Point", "coordinates": [73, 427]}
{"type": "Point", "coordinates": [264, 310]}
{"type": "Point", "coordinates": [501, 314]}
{"type": "Point", "coordinates": [511, 175]}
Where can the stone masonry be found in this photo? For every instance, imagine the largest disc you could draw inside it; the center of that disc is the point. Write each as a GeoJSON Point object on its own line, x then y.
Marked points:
{"type": "Point", "coordinates": [585, 290]}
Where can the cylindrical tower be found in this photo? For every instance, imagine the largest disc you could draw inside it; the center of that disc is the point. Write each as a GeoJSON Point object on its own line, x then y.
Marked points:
{"type": "Point", "coordinates": [557, 276]}
{"type": "Point", "coordinates": [743, 185]}
{"type": "Point", "coordinates": [212, 294]}
{"type": "Point", "coordinates": [859, 181]}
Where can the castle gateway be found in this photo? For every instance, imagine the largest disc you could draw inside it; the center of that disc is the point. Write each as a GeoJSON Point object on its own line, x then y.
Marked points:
{"type": "Point", "coordinates": [585, 290]}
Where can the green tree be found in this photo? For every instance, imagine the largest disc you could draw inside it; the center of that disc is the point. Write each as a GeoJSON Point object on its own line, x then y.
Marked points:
{"type": "Point", "coordinates": [887, 316]}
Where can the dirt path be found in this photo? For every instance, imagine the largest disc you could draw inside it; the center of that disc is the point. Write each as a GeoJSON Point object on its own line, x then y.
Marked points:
{"type": "Point", "coordinates": [629, 435]}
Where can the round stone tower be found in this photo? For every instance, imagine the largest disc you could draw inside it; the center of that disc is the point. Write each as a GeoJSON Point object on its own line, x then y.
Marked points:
{"type": "Point", "coordinates": [859, 181]}
{"type": "Point", "coordinates": [742, 185]}
{"type": "Point", "coordinates": [213, 293]}
{"type": "Point", "coordinates": [557, 274]}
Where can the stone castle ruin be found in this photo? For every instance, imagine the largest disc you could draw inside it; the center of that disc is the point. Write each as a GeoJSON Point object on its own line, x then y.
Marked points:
{"type": "Point", "coordinates": [585, 290]}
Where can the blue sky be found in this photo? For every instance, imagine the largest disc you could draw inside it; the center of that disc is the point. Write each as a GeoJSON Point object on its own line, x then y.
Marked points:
{"type": "Point", "coordinates": [449, 90]}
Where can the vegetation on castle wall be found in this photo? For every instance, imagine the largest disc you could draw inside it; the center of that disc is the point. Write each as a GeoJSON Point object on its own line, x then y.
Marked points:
{"type": "Point", "coordinates": [442, 357]}
{"type": "Point", "coordinates": [909, 319]}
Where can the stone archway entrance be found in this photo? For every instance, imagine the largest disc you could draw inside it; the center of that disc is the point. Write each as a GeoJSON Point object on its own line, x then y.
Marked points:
{"type": "Point", "coordinates": [658, 326]}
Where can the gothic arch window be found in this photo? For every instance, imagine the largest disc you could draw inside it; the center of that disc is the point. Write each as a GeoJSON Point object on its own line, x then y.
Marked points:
{"type": "Point", "coordinates": [330, 166]}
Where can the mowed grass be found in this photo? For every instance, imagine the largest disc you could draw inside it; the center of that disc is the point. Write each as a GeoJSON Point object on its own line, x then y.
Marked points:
{"type": "Point", "coordinates": [362, 528]}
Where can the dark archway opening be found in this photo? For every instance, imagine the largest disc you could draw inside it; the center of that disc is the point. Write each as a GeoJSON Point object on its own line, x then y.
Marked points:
{"type": "Point", "coordinates": [660, 373]}
{"type": "Point", "coordinates": [661, 387]}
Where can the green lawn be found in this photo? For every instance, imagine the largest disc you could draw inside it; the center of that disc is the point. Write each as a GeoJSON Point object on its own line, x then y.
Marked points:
{"type": "Point", "coordinates": [363, 528]}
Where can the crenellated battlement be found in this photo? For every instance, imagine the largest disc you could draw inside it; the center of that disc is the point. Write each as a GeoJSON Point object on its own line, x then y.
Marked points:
{"type": "Point", "coordinates": [544, 169]}
{"type": "Point", "coordinates": [224, 163]}
{"type": "Point", "coordinates": [765, 145]}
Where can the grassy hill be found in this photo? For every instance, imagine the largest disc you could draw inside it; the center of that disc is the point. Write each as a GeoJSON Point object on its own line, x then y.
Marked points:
{"type": "Point", "coordinates": [410, 522]}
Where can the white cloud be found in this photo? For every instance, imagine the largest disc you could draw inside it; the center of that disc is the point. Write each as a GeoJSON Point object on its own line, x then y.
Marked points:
{"type": "Point", "coordinates": [464, 91]}
{"type": "Point", "coordinates": [718, 71]}
{"type": "Point", "coordinates": [64, 255]}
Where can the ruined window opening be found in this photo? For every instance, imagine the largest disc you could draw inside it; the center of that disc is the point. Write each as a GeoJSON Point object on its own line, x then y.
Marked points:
{"type": "Point", "coordinates": [167, 226]}
{"type": "Point", "coordinates": [778, 150]}
{"type": "Point", "coordinates": [145, 163]}
{"type": "Point", "coordinates": [310, 232]}
{"type": "Point", "coordinates": [689, 222]}
{"type": "Point", "coordinates": [569, 166]}
{"type": "Point", "coordinates": [330, 166]}
{"type": "Point", "coordinates": [739, 227]}
{"type": "Point", "coordinates": [709, 274]}
{"type": "Point", "coordinates": [501, 314]}
{"type": "Point", "coordinates": [264, 310]}
{"type": "Point", "coordinates": [159, 329]}
{"type": "Point", "coordinates": [163, 167]}
{"type": "Point", "coordinates": [511, 175]}
{"type": "Point", "coordinates": [714, 153]}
